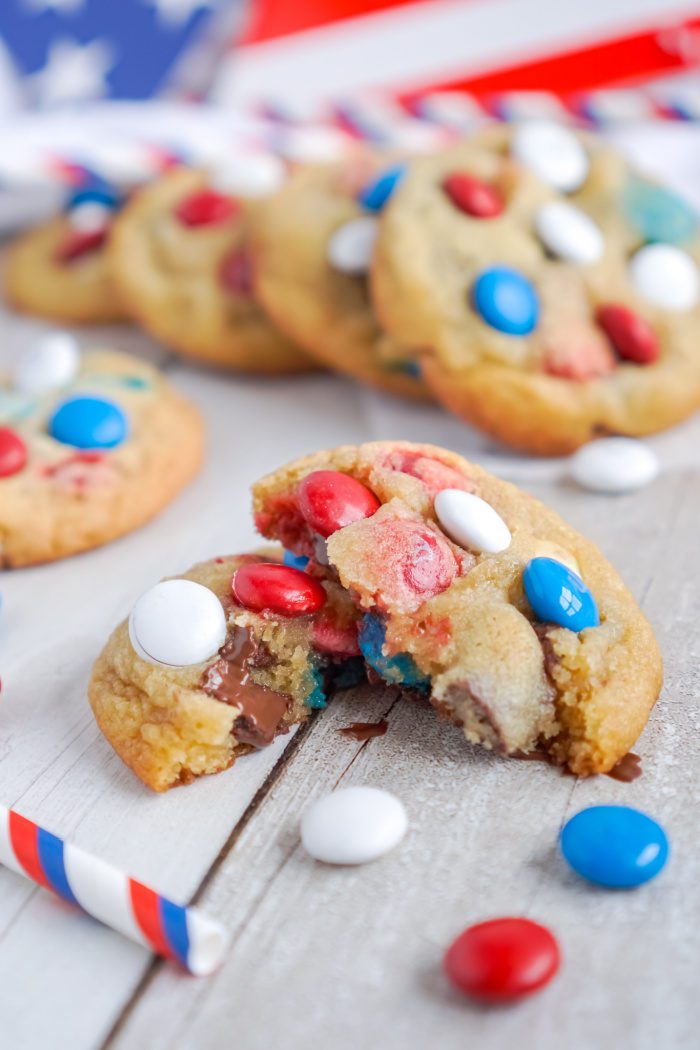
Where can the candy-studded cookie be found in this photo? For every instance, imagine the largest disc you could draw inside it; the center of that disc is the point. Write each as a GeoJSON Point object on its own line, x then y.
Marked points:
{"type": "Point", "coordinates": [474, 594]}
{"type": "Point", "coordinates": [59, 269]}
{"type": "Point", "coordinates": [219, 661]}
{"type": "Point", "coordinates": [552, 292]}
{"type": "Point", "coordinates": [312, 245]}
{"type": "Point", "coordinates": [91, 447]}
{"type": "Point", "coordinates": [180, 260]}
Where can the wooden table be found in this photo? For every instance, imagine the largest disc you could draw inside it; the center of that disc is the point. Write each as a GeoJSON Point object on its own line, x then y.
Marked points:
{"type": "Point", "coordinates": [339, 959]}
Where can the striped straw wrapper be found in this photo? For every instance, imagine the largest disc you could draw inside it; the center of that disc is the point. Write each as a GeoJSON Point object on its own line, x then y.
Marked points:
{"type": "Point", "coordinates": [183, 935]}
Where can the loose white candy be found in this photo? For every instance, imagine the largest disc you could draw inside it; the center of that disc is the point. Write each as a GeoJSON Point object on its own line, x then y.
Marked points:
{"type": "Point", "coordinates": [249, 175]}
{"type": "Point", "coordinates": [569, 233]}
{"type": "Point", "coordinates": [90, 216]}
{"type": "Point", "coordinates": [615, 464]}
{"type": "Point", "coordinates": [471, 522]}
{"type": "Point", "coordinates": [552, 152]}
{"type": "Point", "coordinates": [666, 276]}
{"type": "Point", "coordinates": [353, 825]}
{"type": "Point", "coordinates": [177, 623]}
{"type": "Point", "coordinates": [351, 246]}
{"type": "Point", "coordinates": [52, 362]}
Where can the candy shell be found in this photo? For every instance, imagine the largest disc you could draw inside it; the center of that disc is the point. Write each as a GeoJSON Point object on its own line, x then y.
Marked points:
{"type": "Point", "coordinates": [614, 846]}
{"type": "Point", "coordinates": [268, 587]}
{"type": "Point", "coordinates": [177, 623]}
{"type": "Point", "coordinates": [400, 669]}
{"type": "Point", "coordinates": [614, 464]}
{"type": "Point", "coordinates": [506, 300]}
{"type": "Point", "coordinates": [249, 175]}
{"type": "Point", "coordinates": [471, 522]}
{"type": "Point", "coordinates": [295, 561]}
{"type": "Point", "coordinates": [551, 152]}
{"type": "Point", "coordinates": [350, 247]}
{"type": "Point", "coordinates": [557, 595]}
{"type": "Point", "coordinates": [79, 243]}
{"type": "Point", "coordinates": [89, 422]}
{"type": "Point", "coordinates": [633, 338]}
{"type": "Point", "coordinates": [52, 362]}
{"type": "Point", "coordinates": [502, 960]}
{"type": "Point", "coordinates": [329, 500]}
{"type": "Point", "coordinates": [376, 194]}
{"type": "Point", "coordinates": [569, 233]}
{"type": "Point", "coordinates": [665, 276]}
{"type": "Point", "coordinates": [472, 196]}
{"type": "Point", "coordinates": [658, 213]}
{"type": "Point", "coordinates": [206, 208]}
{"type": "Point", "coordinates": [353, 825]}
{"type": "Point", "coordinates": [13, 452]}
{"type": "Point", "coordinates": [90, 216]}
{"type": "Point", "coordinates": [98, 193]}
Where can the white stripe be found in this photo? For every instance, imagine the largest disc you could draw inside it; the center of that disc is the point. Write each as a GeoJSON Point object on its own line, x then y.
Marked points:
{"type": "Point", "coordinates": [429, 44]}
{"type": "Point", "coordinates": [102, 891]}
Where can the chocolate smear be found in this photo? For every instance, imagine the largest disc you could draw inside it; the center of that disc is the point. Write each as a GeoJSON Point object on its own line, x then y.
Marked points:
{"type": "Point", "coordinates": [365, 730]}
{"type": "Point", "coordinates": [629, 768]}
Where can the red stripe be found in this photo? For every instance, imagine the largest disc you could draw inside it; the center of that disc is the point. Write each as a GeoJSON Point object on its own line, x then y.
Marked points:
{"type": "Point", "coordinates": [147, 913]}
{"type": "Point", "coordinates": [23, 836]}
{"type": "Point", "coordinates": [275, 18]}
{"type": "Point", "coordinates": [619, 61]}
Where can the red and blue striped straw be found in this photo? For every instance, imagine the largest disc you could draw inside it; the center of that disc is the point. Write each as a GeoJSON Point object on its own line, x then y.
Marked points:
{"type": "Point", "coordinates": [180, 934]}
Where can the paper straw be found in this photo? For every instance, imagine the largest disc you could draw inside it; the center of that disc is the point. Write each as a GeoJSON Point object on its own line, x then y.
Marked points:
{"type": "Point", "coordinates": [183, 935]}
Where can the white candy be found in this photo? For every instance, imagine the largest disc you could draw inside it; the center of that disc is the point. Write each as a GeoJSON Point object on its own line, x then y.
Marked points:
{"type": "Point", "coordinates": [615, 464]}
{"type": "Point", "coordinates": [666, 276]}
{"type": "Point", "coordinates": [90, 216]}
{"type": "Point", "coordinates": [177, 623]}
{"type": "Point", "coordinates": [552, 152]}
{"type": "Point", "coordinates": [249, 175]}
{"type": "Point", "coordinates": [53, 362]}
{"type": "Point", "coordinates": [353, 825]}
{"type": "Point", "coordinates": [569, 233]}
{"type": "Point", "coordinates": [471, 522]}
{"type": "Point", "coordinates": [351, 246]}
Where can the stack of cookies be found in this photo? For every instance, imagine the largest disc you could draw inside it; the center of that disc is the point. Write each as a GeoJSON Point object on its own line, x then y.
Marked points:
{"type": "Point", "coordinates": [526, 278]}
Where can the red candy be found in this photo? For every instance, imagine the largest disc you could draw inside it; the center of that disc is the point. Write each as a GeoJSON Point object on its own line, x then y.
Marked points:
{"type": "Point", "coordinates": [434, 474]}
{"type": "Point", "coordinates": [79, 243]}
{"type": "Point", "coordinates": [472, 196]}
{"type": "Point", "coordinates": [335, 638]}
{"type": "Point", "coordinates": [206, 208]}
{"type": "Point", "coordinates": [329, 500]}
{"type": "Point", "coordinates": [633, 339]}
{"type": "Point", "coordinates": [502, 960]}
{"type": "Point", "coordinates": [577, 351]}
{"type": "Point", "coordinates": [265, 587]}
{"type": "Point", "coordinates": [13, 452]}
{"type": "Point", "coordinates": [236, 274]}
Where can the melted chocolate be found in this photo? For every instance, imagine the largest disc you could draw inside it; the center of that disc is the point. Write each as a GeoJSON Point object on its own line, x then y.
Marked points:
{"type": "Point", "coordinates": [629, 768]}
{"type": "Point", "coordinates": [229, 681]}
{"type": "Point", "coordinates": [365, 730]}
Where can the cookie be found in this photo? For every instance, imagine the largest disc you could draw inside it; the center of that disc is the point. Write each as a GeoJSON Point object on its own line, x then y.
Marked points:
{"type": "Point", "coordinates": [194, 679]}
{"type": "Point", "coordinates": [312, 243]}
{"type": "Point", "coordinates": [179, 259]}
{"type": "Point", "coordinates": [474, 595]}
{"type": "Point", "coordinates": [91, 447]}
{"type": "Point", "coordinates": [552, 292]}
{"type": "Point", "coordinates": [59, 270]}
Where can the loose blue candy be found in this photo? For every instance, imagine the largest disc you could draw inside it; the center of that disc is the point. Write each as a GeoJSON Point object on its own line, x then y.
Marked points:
{"type": "Point", "coordinates": [658, 213]}
{"type": "Point", "coordinates": [506, 300]}
{"type": "Point", "coordinates": [397, 670]}
{"type": "Point", "coordinates": [614, 845]}
{"type": "Point", "coordinates": [558, 595]}
{"type": "Point", "coordinates": [89, 422]}
{"type": "Point", "coordinates": [376, 193]}
{"type": "Point", "coordinates": [295, 561]}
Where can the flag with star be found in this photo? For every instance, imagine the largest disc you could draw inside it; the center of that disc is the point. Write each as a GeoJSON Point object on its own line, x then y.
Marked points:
{"type": "Point", "coordinates": [64, 51]}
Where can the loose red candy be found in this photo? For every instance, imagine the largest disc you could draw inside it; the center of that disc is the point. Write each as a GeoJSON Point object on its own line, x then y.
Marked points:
{"type": "Point", "coordinates": [13, 452]}
{"type": "Point", "coordinates": [265, 587]}
{"type": "Point", "coordinates": [329, 500]}
{"type": "Point", "coordinates": [472, 196]}
{"type": "Point", "coordinates": [236, 273]}
{"type": "Point", "coordinates": [206, 208]}
{"type": "Point", "coordinates": [633, 339]}
{"type": "Point", "coordinates": [502, 960]}
{"type": "Point", "coordinates": [79, 243]}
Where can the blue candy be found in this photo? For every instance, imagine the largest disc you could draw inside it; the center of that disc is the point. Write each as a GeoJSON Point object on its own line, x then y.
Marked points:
{"type": "Point", "coordinates": [88, 423]}
{"type": "Point", "coordinates": [317, 698]}
{"type": "Point", "coordinates": [558, 595]}
{"type": "Point", "coordinates": [659, 214]}
{"type": "Point", "coordinates": [100, 194]}
{"type": "Point", "coordinates": [614, 845]}
{"type": "Point", "coordinates": [295, 561]}
{"type": "Point", "coordinates": [376, 193]}
{"type": "Point", "coordinates": [506, 300]}
{"type": "Point", "coordinates": [397, 670]}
